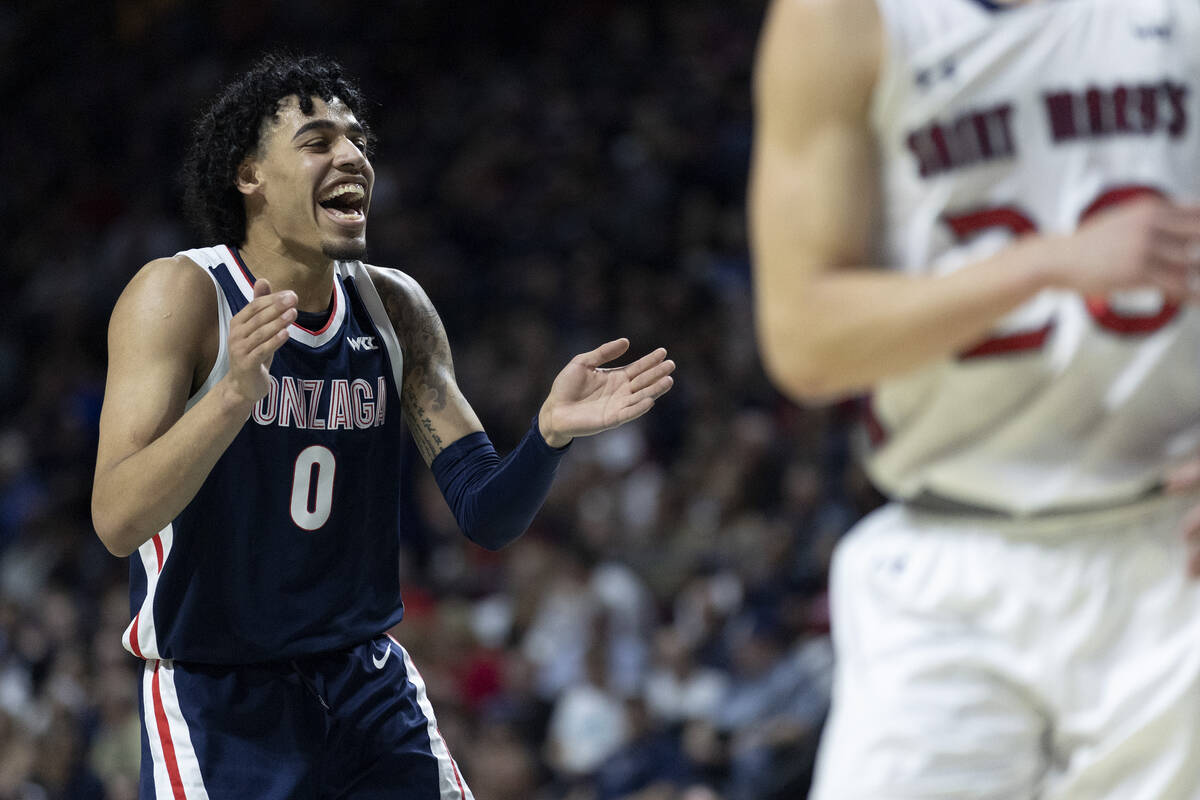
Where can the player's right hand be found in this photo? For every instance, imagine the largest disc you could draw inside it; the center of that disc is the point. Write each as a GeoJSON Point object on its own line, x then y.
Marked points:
{"type": "Point", "coordinates": [1143, 243]}
{"type": "Point", "coordinates": [255, 333]}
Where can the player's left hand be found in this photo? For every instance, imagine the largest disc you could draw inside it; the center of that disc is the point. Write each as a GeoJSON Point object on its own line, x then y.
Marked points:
{"type": "Point", "coordinates": [587, 397]}
{"type": "Point", "coordinates": [1181, 479]}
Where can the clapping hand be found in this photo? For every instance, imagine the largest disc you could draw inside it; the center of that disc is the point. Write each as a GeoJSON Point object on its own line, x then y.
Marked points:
{"type": "Point", "coordinates": [587, 397]}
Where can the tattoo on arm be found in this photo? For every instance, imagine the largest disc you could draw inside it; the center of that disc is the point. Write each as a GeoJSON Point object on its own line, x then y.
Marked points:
{"type": "Point", "coordinates": [424, 434]}
{"type": "Point", "coordinates": [428, 365]}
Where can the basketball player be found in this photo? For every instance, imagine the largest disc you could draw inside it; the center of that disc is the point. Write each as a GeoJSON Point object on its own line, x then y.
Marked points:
{"type": "Point", "coordinates": [1018, 621]}
{"type": "Point", "coordinates": [249, 460]}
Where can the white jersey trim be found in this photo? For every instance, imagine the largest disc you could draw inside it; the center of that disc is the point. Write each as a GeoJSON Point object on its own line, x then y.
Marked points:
{"type": "Point", "coordinates": [383, 323]}
{"type": "Point", "coordinates": [206, 258]}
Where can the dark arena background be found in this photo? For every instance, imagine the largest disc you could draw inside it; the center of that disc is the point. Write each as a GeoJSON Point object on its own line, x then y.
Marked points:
{"type": "Point", "coordinates": [554, 175]}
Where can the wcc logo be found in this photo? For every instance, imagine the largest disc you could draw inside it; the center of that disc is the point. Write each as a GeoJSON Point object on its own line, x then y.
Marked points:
{"type": "Point", "coordinates": [362, 343]}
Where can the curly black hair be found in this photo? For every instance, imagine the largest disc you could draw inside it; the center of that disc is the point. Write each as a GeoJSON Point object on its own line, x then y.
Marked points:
{"type": "Point", "coordinates": [231, 128]}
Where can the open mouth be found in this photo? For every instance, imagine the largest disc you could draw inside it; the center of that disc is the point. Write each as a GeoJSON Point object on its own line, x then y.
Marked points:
{"type": "Point", "coordinates": [344, 202]}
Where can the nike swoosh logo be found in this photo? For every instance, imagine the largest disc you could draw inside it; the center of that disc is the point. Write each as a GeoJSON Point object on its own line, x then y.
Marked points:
{"type": "Point", "coordinates": [379, 662]}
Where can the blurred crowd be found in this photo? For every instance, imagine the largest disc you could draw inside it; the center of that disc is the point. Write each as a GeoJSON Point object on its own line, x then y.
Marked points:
{"type": "Point", "coordinates": [555, 175]}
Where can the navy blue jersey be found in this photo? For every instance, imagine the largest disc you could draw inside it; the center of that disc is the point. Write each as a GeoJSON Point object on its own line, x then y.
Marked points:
{"type": "Point", "coordinates": [291, 546]}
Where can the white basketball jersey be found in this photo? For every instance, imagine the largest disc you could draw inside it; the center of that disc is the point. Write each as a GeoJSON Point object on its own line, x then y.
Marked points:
{"type": "Point", "coordinates": [994, 122]}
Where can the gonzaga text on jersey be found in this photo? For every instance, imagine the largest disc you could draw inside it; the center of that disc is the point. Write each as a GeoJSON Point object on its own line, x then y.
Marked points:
{"type": "Point", "coordinates": [347, 404]}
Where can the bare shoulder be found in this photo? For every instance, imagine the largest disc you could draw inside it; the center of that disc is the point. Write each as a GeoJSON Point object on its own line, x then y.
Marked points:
{"type": "Point", "coordinates": [412, 314]}
{"type": "Point", "coordinates": [401, 294]}
{"type": "Point", "coordinates": [167, 295]}
{"type": "Point", "coordinates": [824, 54]}
{"type": "Point", "coordinates": [850, 26]}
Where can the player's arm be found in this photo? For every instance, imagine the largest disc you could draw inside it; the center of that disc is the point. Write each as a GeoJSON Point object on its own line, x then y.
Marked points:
{"type": "Point", "coordinates": [152, 456]}
{"type": "Point", "coordinates": [827, 323]}
{"type": "Point", "coordinates": [435, 409]}
{"type": "Point", "coordinates": [495, 499]}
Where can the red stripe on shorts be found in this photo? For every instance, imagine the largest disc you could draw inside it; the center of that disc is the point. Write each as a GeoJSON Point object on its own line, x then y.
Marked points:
{"type": "Point", "coordinates": [461, 793]}
{"type": "Point", "coordinates": [164, 735]}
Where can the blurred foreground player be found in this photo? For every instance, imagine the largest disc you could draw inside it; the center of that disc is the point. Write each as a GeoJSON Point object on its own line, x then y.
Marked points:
{"type": "Point", "coordinates": [1018, 622]}
{"type": "Point", "coordinates": [249, 459]}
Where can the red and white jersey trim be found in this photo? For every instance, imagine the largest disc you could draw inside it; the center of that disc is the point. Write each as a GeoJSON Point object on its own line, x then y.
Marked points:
{"type": "Point", "coordinates": [140, 636]}
{"type": "Point", "coordinates": [296, 332]}
{"type": "Point", "coordinates": [176, 767]}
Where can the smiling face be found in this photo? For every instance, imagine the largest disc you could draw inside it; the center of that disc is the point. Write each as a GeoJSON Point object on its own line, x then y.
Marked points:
{"type": "Point", "coordinates": [308, 184]}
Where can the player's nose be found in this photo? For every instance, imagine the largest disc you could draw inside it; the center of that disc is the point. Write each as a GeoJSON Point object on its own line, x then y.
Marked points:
{"type": "Point", "coordinates": [348, 156]}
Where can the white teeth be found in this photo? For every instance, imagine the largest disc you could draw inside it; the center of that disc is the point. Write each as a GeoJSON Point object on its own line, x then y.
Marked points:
{"type": "Point", "coordinates": [345, 214]}
{"type": "Point", "coordinates": [341, 189]}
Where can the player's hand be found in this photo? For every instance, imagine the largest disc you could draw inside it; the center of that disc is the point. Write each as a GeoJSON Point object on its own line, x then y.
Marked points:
{"type": "Point", "coordinates": [1147, 242]}
{"type": "Point", "coordinates": [587, 398]}
{"type": "Point", "coordinates": [255, 333]}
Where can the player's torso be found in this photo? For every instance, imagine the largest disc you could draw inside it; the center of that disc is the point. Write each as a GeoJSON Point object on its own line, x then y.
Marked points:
{"type": "Point", "coordinates": [992, 123]}
{"type": "Point", "coordinates": [291, 546]}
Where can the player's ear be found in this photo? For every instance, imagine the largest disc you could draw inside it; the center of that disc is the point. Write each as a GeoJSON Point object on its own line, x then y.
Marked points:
{"type": "Point", "coordinates": [247, 180]}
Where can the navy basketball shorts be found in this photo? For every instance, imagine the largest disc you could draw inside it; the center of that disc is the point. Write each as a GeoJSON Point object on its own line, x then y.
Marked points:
{"type": "Point", "coordinates": [352, 723]}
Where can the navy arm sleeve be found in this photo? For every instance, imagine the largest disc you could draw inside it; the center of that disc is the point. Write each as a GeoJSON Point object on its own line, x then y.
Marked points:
{"type": "Point", "coordinates": [494, 500]}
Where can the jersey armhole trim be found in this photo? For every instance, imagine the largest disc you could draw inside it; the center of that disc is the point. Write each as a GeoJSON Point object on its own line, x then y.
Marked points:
{"type": "Point", "coordinates": [369, 295]}
{"type": "Point", "coordinates": [219, 365]}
